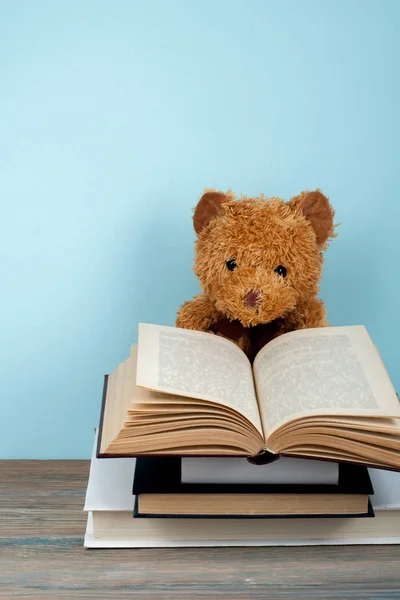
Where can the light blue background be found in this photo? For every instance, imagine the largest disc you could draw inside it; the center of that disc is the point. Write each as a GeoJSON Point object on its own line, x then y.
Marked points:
{"type": "Point", "coordinates": [113, 118]}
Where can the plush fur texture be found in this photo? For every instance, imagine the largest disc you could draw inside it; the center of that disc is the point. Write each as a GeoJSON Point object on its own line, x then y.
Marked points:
{"type": "Point", "coordinates": [259, 262]}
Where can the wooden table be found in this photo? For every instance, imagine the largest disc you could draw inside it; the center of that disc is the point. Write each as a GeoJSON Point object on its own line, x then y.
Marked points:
{"type": "Point", "coordinates": [41, 554]}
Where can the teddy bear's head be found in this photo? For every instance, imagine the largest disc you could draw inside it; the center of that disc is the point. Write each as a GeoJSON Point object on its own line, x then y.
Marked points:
{"type": "Point", "coordinates": [258, 258]}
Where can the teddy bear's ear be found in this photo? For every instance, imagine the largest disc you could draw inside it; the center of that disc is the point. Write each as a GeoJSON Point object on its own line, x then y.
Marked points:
{"type": "Point", "coordinates": [315, 207]}
{"type": "Point", "coordinates": [208, 207]}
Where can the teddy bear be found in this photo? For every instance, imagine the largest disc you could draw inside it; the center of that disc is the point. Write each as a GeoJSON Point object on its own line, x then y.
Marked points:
{"type": "Point", "coordinates": [259, 262]}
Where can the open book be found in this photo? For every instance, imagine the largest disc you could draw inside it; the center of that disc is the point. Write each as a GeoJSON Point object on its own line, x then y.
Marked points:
{"type": "Point", "coordinates": [318, 393]}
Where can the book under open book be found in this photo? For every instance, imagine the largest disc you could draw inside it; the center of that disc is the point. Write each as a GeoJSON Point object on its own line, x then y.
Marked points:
{"type": "Point", "coordinates": [160, 492]}
{"type": "Point", "coordinates": [318, 393]}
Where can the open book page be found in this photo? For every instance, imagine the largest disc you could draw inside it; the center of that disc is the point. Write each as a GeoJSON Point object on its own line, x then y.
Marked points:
{"type": "Point", "coordinates": [326, 371]}
{"type": "Point", "coordinates": [121, 386]}
{"type": "Point", "coordinates": [374, 424]}
{"type": "Point", "coordinates": [196, 365]}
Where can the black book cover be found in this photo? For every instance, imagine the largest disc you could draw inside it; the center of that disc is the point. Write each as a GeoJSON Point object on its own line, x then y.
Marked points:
{"type": "Point", "coordinates": [163, 476]}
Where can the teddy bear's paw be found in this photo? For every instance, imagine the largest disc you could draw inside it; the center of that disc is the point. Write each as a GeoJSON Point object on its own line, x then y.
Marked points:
{"type": "Point", "coordinates": [198, 314]}
{"type": "Point", "coordinates": [310, 314]}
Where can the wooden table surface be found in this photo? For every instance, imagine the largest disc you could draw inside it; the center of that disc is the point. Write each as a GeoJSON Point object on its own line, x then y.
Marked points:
{"type": "Point", "coordinates": [41, 554]}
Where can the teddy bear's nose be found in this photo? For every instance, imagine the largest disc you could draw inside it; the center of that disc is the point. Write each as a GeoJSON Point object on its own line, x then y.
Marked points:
{"type": "Point", "coordinates": [252, 298]}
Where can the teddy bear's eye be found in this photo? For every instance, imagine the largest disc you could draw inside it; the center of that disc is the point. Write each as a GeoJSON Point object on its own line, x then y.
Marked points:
{"type": "Point", "coordinates": [231, 264]}
{"type": "Point", "coordinates": [281, 270]}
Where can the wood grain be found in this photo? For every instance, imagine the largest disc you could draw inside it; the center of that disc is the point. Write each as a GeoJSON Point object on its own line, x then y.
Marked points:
{"type": "Point", "coordinates": [41, 554]}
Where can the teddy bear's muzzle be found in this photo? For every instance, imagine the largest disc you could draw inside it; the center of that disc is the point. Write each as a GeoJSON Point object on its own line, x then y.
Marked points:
{"type": "Point", "coordinates": [252, 298]}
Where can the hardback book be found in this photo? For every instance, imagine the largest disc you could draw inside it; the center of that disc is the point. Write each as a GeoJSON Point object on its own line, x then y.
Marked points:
{"type": "Point", "coordinates": [314, 393]}
{"type": "Point", "coordinates": [160, 492]}
{"type": "Point", "coordinates": [109, 504]}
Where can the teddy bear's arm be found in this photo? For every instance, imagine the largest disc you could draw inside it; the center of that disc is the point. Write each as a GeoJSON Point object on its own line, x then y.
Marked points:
{"type": "Point", "coordinates": [316, 314]}
{"type": "Point", "coordinates": [199, 314]}
{"type": "Point", "coordinates": [308, 315]}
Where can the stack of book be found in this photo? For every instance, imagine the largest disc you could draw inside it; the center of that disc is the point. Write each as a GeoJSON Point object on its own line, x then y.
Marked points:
{"type": "Point", "coordinates": [110, 506]}
{"type": "Point", "coordinates": [273, 452]}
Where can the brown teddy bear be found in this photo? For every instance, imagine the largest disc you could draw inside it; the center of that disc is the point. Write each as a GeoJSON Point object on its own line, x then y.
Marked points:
{"type": "Point", "coordinates": [259, 262]}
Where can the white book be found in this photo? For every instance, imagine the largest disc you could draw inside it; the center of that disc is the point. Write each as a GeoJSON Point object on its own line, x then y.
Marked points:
{"type": "Point", "coordinates": [109, 504]}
